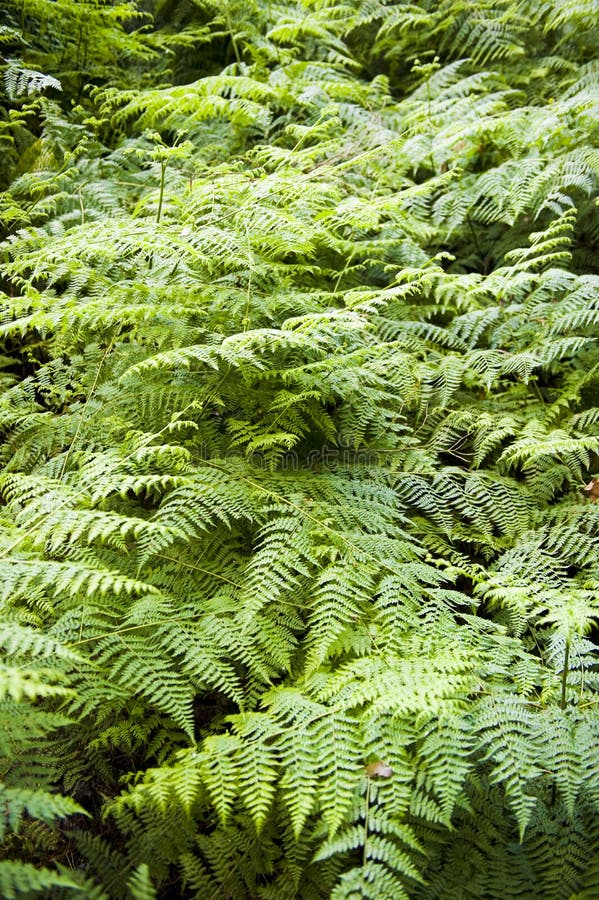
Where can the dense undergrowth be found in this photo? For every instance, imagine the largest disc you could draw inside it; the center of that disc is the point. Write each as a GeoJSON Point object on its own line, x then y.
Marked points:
{"type": "Point", "coordinates": [299, 417]}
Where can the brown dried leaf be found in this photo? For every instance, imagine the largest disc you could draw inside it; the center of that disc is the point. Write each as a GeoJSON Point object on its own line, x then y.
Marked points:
{"type": "Point", "coordinates": [379, 769]}
{"type": "Point", "coordinates": [592, 489]}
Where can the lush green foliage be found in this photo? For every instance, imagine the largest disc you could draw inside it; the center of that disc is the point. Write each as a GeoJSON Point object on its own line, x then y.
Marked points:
{"type": "Point", "coordinates": [300, 396]}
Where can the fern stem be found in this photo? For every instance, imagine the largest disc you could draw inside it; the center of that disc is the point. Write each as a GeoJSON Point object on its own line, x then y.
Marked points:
{"type": "Point", "coordinates": [231, 872]}
{"type": "Point", "coordinates": [537, 390]}
{"type": "Point", "coordinates": [232, 33]}
{"type": "Point", "coordinates": [84, 410]}
{"type": "Point", "coordinates": [161, 197]}
{"type": "Point", "coordinates": [565, 674]}
{"type": "Point", "coordinates": [248, 300]}
{"type": "Point", "coordinates": [78, 46]}
{"type": "Point", "coordinates": [366, 813]}
{"type": "Point", "coordinates": [474, 235]}
{"type": "Point", "coordinates": [343, 271]}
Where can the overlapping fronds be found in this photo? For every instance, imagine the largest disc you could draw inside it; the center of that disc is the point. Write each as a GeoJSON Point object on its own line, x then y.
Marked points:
{"type": "Point", "coordinates": [300, 453]}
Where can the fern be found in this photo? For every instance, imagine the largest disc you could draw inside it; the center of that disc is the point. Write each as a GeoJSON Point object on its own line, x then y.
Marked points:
{"type": "Point", "coordinates": [300, 381]}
